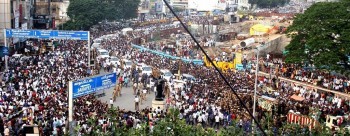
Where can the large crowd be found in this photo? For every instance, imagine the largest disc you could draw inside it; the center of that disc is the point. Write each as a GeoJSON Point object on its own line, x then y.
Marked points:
{"type": "Point", "coordinates": [34, 92]}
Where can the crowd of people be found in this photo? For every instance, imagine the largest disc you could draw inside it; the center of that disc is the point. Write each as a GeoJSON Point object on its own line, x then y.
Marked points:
{"type": "Point", "coordinates": [328, 80]}
{"type": "Point", "coordinates": [34, 92]}
{"type": "Point", "coordinates": [192, 103]}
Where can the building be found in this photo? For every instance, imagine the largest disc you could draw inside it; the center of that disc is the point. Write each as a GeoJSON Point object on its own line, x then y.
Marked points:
{"type": "Point", "coordinates": [5, 17]}
{"type": "Point", "coordinates": [14, 14]}
{"type": "Point", "coordinates": [50, 13]}
{"type": "Point", "coordinates": [315, 1]}
{"type": "Point", "coordinates": [179, 3]}
{"type": "Point", "coordinates": [28, 14]}
{"type": "Point", "coordinates": [207, 5]}
{"type": "Point", "coordinates": [144, 9]}
{"type": "Point", "coordinates": [243, 5]}
{"type": "Point", "coordinates": [210, 5]}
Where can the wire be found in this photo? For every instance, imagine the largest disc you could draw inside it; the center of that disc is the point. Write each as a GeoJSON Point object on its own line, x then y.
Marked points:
{"type": "Point", "coordinates": [212, 63]}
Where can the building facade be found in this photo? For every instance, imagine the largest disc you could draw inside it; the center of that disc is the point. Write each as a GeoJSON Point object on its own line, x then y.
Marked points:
{"type": "Point", "coordinates": [5, 18]}
{"type": "Point", "coordinates": [23, 14]}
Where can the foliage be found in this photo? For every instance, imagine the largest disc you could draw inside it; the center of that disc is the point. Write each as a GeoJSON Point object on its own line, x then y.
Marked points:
{"type": "Point", "coordinates": [268, 3]}
{"type": "Point", "coordinates": [85, 13]}
{"type": "Point", "coordinates": [171, 125]}
{"type": "Point", "coordinates": [321, 36]}
{"type": "Point", "coordinates": [231, 131]}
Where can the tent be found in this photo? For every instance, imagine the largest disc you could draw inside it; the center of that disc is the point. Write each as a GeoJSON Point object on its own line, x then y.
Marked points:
{"type": "Point", "coordinates": [259, 29]}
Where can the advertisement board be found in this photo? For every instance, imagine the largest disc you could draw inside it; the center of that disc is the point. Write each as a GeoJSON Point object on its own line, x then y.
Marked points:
{"type": "Point", "coordinates": [93, 84]}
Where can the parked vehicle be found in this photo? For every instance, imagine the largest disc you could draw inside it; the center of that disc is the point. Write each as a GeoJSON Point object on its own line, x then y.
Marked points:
{"type": "Point", "coordinates": [146, 70]}
{"type": "Point", "coordinates": [102, 54]}
{"type": "Point", "coordinates": [166, 74]}
{"type": "Point", "coordinates": [114, 60]}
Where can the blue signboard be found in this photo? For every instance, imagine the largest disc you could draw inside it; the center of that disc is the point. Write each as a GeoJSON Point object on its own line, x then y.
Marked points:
{"type": "Point", "coordinates": [93, 84]}
{"type": "Point", "coordinates": [105, 82]}
{"type": "Point", "coordinates": [4, 51]}
{"type": "Point", "coordinates": [47, 34]}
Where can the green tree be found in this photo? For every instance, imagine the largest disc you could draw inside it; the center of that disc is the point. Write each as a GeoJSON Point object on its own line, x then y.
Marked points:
{"type": "Point", "coordinates": [85, 13]}
{"type": "Point", "coordinates": [321, 36]}
{"type": "Point", "coordinates": [268, 3]}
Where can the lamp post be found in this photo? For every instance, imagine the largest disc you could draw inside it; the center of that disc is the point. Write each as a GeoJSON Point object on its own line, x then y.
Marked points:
{"type": "Point", "coordinates": [255, 85]}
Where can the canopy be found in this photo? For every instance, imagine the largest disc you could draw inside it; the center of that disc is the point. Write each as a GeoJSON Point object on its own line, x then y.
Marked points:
{"type": "Point", "coordinates": [259, 29]}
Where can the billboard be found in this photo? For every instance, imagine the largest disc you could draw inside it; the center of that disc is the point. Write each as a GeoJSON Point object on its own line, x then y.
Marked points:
{"type": "Point", "coordinates": [93, 84]}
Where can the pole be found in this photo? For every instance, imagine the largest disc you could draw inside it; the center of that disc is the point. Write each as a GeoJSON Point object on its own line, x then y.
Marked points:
{"type": "Point", "coordinates": [255, 87]}
{"type": "Point", "coordinates": [5, 42]}
{"type": "Point", "coordinates": [89, 55]}
{"type": "Point", "coordinates": [70, 108]}
{"type": "Point", "coordinates": [270, 74]}
{"type": "Point", "coordinates": [179, 71]}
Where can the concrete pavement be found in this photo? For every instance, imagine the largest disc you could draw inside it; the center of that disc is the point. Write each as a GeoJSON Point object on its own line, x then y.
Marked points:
{"type": "Point", "coordinates": [126, 100]}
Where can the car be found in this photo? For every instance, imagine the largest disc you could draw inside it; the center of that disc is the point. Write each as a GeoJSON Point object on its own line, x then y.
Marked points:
{"type": "Point", "coordinates": [186, 77]}
{"type": "Point", "coordinates": [98, 40]}
{"type": "Point", "coordinates": [146, 70]}
{"type": "Point", "coordinates": [95, 45]}
{"type": "Point", "coordinates": [128, 63]}
{"type": "Point", "coordinates": [17, 56]}
{"type": "Point", "coordinates": [166, 74]}
{"type": "Point", "coordinates": [102, 54]}
{"type": "Point", "coordinates": [114, 60]}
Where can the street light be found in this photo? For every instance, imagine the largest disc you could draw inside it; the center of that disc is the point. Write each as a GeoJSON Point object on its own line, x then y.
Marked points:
{"type": "Point", "coordinates": [256, 84]}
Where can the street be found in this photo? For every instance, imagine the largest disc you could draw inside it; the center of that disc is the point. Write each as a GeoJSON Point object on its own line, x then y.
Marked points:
{"type": "Point", "coordinates": [126, 101]}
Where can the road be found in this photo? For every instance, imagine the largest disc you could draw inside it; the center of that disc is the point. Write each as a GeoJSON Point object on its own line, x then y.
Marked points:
{"type": "Point", "coordinates": [126, 101]}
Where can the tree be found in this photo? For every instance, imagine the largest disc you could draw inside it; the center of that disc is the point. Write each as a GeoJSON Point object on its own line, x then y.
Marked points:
{"type": "Point", "coordinates": [268, 3]}
{"type": "Point", "coordinates": [321, 36]}
{"type": "Point", "coordinates": [85, 13]}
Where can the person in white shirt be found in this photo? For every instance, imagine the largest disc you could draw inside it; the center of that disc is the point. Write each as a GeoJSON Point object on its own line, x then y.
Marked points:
{"type": "Point", "coordinates": [111, 102]}
{"type": "Point", "coordinates": [137, 103]}
{"type": "Point", "coordinates": [217, 121]}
